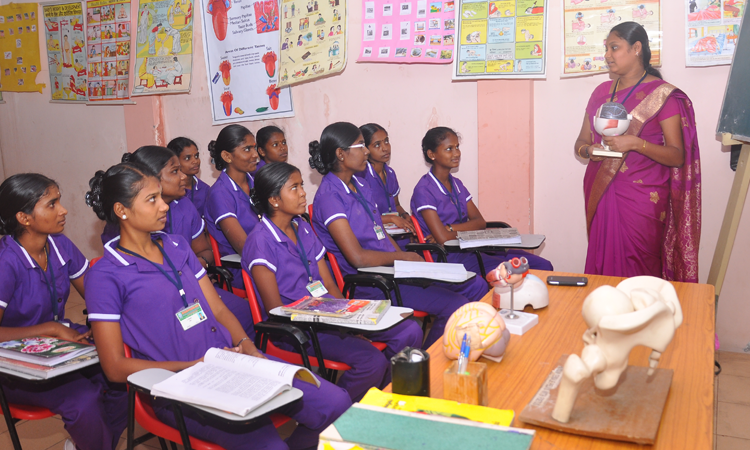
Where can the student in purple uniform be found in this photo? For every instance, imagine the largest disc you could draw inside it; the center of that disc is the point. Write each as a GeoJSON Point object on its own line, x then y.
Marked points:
{"type": "Point", "coordinates": [443, 206]}
{"type": "Point", "coordinates": [37, 266]}
{"type": "Point", "coordinates": [137, 269]}
{"type": "Point", "coordinates": [229, 213]}
{"type": "Point", "coordinates": [190, 164]}
{"type": "Point", "coordinates": [350, 227]}
{"type": "Point", "coordinates": [286, 261]}
{"type": "Point", "coordinates": [182, 219]}
{"type": "Point", "coordinates": [272, 146]}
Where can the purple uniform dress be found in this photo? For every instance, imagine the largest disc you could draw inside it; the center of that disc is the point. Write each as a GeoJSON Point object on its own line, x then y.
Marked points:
{"type": "Point", "coordinates": [268, 246]}
{"type": "Point", "coordinates": [451, 207]}
{"type": "Point", "coordinates": [198, 194]}
{"type": "Point", "coordinates": [261, 163]}
{"type": "Point", "coordinates": [133, 292]}
{"type": "Point", "coordinates": [335, 201]}
{"type": "Point", "coordinates": [94, 413]}
{"type": "Point", "coordinates": [384, 195]}
{"type": "Point", "coordinates": [226, 199]}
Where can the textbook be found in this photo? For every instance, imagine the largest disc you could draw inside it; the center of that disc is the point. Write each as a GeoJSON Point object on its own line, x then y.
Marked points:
{"type": "Point", "coordinates": [369, 314]}
{"type": "Point", "coordinates": [43, 350]}
{"type": "Point", "coordinates": [367, 426]}
{"type": "Point", "coordinates": [329, 307]}
{"type": "Point", "coordinates": [392, 228]}
{"type": "Point", "coordinates": [45, 372]}
{"type": "Point", "coordinates": [488, 237]}
{"type": "Point", "coordinates": [231, 381]}
{"type": "Point", "coordinates": [450, 272]}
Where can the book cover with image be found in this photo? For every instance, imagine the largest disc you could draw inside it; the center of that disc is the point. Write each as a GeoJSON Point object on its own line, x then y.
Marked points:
{"type": "Point", "coordinates": [331, 307]}
{"type": "Point", "coordinates": [43, 350]}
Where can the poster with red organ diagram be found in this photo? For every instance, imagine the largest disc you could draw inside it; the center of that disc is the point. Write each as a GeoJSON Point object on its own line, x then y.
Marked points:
{"type": "Point", "coordinates": [586, 25]}
{"type": "Point", "coordinates": [241, 47]}
{"type": "Point", "coordinates": [108, 41]}
{"type": "Point", "coordinates": [66, 43]}
{"type": "Point", "coordinates": [713, 29]}
{"type": "Point", "coordinates": [408, 31]}
{"type": "Point", "coordinates": [19, 46]}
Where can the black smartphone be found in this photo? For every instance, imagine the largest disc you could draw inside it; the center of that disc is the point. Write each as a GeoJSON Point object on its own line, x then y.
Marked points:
{"type": "Point", "coordinates": [567, 281]}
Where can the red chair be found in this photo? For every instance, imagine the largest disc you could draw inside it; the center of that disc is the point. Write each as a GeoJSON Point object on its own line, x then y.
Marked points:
{"type": "Point", "coordinates": [420, 237]}
{"type": "Point", "coordinates": [217, 262]}
{"type": "Point", "coordinates": [14, 412]}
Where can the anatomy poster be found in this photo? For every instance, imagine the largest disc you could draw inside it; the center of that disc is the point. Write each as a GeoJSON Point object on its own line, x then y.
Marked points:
{"type": "Point", "coordinates": [163, 47]}
{"type": "Point", "coordinates": [586, 25]}
{"type": "Point", "coordinates": [712, 31]}
{"type": "Point", "coordinates": [66, 55]}
{"type": "Point", "coordinates": [19, 43]}
{"type": "Point", "coordinates": [413, 31]}
{"type": "Point", "coordinates": [500, 39]}
{"type": "Point", "coordinates": [241, 45]}
{"type": "Point", "coordinates": [313, 39]}
{"type": "Point", "coordinates": [108, 49]}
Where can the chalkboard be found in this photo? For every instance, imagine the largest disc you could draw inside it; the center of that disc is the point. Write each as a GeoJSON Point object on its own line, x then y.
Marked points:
{"type": "Point", "coordinates": [735, 110]}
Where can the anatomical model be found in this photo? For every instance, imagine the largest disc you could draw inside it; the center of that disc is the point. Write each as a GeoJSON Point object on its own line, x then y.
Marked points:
{"type": "Point", "coordinates": [639, 311]}
{"type": "Point", "coordinates": [512, 278]}
{"type": "Point", "coordinates": [612, 119]}
{"type": "Point", "coordinates": [483, 324]}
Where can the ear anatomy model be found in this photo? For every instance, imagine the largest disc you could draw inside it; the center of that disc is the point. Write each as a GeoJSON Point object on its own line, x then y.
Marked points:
{"type": "Point", "coordinates": [639, 311]}
{"type": "Point", "coordinates": [218, 9]}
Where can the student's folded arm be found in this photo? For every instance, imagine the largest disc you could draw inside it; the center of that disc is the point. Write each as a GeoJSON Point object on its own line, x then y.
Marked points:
{"type": "Point", "coordinates": [234, 233]}
{"type": "Point", "coordinates": [53, 329]}
{"type": "Point", "coordinates": [265, 282]}
{"type": "Point", "coordinates": [202, 249]}
{"type": "Point", "coordinates": [475, 222]}
{"type": "Point", "coordinates": [356, 255]}
{"type": "Point", "coordinates": [436, 228]}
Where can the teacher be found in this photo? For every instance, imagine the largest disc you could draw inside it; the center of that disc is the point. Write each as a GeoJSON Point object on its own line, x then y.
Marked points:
{"type": "Point", "coordinates": [643, 211]}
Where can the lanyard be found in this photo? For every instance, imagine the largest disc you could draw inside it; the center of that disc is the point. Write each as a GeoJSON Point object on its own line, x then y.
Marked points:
{"type": "Point", "coordinates": [302, 254]}
{"type": "Point", "coordinates": [385, 188]}
{"type": "Point", "coordinates": [364, 204]}
{"type": "Point", "coordinates": [169, 220]}
{"type": "Point", "coordinates": [249, 200]}
{"type": "Point", "coordinates": [614, 91]}
{"type": "Point", "coordinates": [51, 286]}
{"type": "Point", "coordinates": [454, 199]}
{"type": "Point", "coordinates": [176, 281]}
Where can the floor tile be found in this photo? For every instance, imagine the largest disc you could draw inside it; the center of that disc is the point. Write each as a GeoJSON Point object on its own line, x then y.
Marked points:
{"type": "Point", "coordinates": [37, 434]}
{"type": "Point", "coordinates": [733, 420]}
{"type": "Point", "coordinates": [731, 443]}
{"type": "Point", "coordinates": [734, 389]}
{"type": "Point", "coordinates": [736, 364]}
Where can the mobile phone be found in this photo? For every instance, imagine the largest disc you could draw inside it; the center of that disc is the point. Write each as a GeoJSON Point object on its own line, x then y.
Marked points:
{"type": "Point", "coordinates": [567, 281]}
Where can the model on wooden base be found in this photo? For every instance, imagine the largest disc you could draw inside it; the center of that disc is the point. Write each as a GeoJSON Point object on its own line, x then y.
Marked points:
{"type": "Point", "coordinates": [515, 288]}
{"type": "Point", "coordinates": [639, 311]}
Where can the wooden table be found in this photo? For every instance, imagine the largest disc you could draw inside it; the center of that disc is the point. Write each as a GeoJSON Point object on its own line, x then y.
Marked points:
{"type": "Point", "coordinates": [687, 421]}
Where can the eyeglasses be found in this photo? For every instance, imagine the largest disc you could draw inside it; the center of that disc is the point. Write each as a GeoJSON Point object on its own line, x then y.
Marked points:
{"type": "Point", "coordinates": [357, 146]}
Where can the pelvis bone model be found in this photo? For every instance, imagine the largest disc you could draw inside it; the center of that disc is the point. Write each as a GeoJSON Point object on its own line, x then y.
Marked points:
{"type": "Point", "coordinates": [639, 311]}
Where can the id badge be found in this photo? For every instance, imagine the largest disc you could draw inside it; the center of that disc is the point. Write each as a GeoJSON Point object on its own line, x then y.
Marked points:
{"type": "Point", "coordinates": [191, 316]}
{"type": "Point", "coordinates": [316, 289]}
{"type": "Point", "coordinates": [379, 232]}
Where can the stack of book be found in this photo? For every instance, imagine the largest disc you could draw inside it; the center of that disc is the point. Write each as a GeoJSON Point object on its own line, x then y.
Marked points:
{"type": "Point", "coordinates": [488, 237]}
{"type": "Point", "coordinates": [45, 357]}
{"type": "Point", "coordinates": [334, 310]}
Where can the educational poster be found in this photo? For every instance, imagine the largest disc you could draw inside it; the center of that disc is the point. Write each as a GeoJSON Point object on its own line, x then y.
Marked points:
{"type": "Point", "coordinates": [19, 44]}
{"type": "Point", "coordinates": [66, 56]}
{"type": "Point", "coordinates": [411, 31]}
{"type": "Point", "coordinates": [712, 31]}
{"type": "Point", "coordinates": [164, 47]}
{"type": "Point", "coordinates": [108, 50]}
{"type": "Point", "coordinates": [241, 46]}
{"type": "Point", "coordinates": [313, 39]}
{"type": "Point", "coordinates": [500, 39]}
{"type": "Point", "coordinates": [586, 25]}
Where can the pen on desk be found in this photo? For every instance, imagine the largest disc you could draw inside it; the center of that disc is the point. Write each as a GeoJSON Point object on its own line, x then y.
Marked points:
{"type": "Point", "coordinates": [463, 356]}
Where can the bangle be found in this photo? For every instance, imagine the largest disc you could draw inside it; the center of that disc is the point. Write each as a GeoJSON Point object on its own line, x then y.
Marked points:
{"type": "Point", "coordinates": [204, 260]}
{"type": "Point", "coordinates": [242, 340]}
{"type": "Point", "coordinates": [644, 144]}
{"type": "Point", "coordinates": [581, 148]}
{"type": "Point", "coordinates": [450, 227]}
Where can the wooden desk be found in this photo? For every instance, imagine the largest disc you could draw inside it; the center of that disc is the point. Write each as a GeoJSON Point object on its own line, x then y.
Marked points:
{"type": "Point", "coordinates": [687, 421]}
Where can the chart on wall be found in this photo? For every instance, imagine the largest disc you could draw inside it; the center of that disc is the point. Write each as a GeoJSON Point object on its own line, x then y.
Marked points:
{"type": "Point", "coordinates": [586, 25]}
{"type": "Point", "coordinates": [66, 55]}
{"type": "Point", "coordinates": [108, 40]}
{"type": "Point", "coordinates": [414, 31]}
{"type": "Point", "coordinates": [712, 31]}
{"type": "Point", "coordinates": [313, 39]}
{"type": "Point", "coordinates": [500, 39]}
{"type": "Point", "coordinates": [241, 47]}
{"type": "Point", "coordinates": [19, 44]}
{"type": "Point", "coordinates": [163, 47]}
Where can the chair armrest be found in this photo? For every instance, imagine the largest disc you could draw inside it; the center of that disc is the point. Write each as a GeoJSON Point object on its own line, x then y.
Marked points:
{"type": "Point", "coordinates": [225, 277]}
{"type": "Point", "coordinates": [498, 224]}
{"type": "Point", "coordinates": [298, 337]}
{"type": "Point", "coordinates": [370, 280]}
{"type": "Point", "coordinates": [437, 248]}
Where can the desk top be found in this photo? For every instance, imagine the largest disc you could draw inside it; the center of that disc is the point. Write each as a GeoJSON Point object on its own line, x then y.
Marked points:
{"type": "Point", "coordinates": [687, 421]}
{"type": "Point", "coordinates": [528, 242]}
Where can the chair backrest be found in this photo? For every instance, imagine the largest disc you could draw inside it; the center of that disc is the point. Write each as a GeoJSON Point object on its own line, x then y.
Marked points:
{"type": "Point", "coordinates": [251, 298]}
{"type": "Point", "coordinates": [335, 268]}
{"type": "Point", "coordinates": [215, 251]}
{"type": "Point", "coordinates": [420, 236]}
{"type": "Point", "coordinates": [94, 261]}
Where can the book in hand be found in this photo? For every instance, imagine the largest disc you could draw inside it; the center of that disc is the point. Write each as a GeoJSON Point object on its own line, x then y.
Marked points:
{"type": "Point", "coordinates": [392, 228]}
{"type": "Point", "coordinates": [45, 372]}
{"type": "Point", "coordinates": [43, 350]}
{"type": "Point", "coordinates": [323, 306]}
{"type": "Point", "coordinates": [450, 272]}
{"type": "Point", "coordinates": [488, 237]}
{"type": "Point", "coordinates": [606, 153]}
{"type": "Point", "coordinates": [231, 382]}
{"type": "Point", "coordinates": [369, 313]}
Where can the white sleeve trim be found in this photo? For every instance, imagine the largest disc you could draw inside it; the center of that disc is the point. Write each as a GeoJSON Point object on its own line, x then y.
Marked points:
{"type": "Point", "coordinates": [104, 317]}
{"type": "Point", "coordinates": [320, 255]}
{"type": "Point", "coordinates": [203, 227]}
{"type": "Point", "coordinates": [261, 262]}
{"type": "Point", "coordinates": [468, 198]}
{"type": "Point", "coordinates": [200, 274]}
{"type": "Point", "coordinates": [3, 304]}
{"type": "Point", "coordinates": [333, 217]}
{"type": "Point", "coordinates": [395, 194]}
{"type": "Point", "coordinates": [426, 207]}
{"type": "Point", "coordinates": [80, 272]}
{"type": "Point", "coordinates": [224, 216]}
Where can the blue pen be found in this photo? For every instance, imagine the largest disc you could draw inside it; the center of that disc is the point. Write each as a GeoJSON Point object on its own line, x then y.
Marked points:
{"type": "Point", "coordinates": [463, 356]}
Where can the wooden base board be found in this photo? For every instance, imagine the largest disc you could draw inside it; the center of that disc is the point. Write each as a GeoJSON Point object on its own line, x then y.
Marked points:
{"type": "Point", "coordinates": [631, 411]}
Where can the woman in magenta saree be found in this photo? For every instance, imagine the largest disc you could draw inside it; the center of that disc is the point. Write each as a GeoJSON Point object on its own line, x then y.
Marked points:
{"type": "Point", "coordinates": [642, 210]}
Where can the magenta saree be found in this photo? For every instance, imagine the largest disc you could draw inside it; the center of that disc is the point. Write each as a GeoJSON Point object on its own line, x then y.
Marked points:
{"type": "Point", "coordinates": [644, 218]}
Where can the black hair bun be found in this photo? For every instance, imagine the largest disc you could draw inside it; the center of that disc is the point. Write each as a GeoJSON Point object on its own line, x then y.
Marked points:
{"type": "Point", "coordinates": [93, 197]}
{"type": "Point", "coordinates": [316, 158]}
{"type": "Point", "coordinates": [126, 157]}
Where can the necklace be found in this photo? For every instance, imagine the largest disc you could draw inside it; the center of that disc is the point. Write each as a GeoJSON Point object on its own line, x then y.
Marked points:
{"type": "Point", "coordinates": [617, 83]}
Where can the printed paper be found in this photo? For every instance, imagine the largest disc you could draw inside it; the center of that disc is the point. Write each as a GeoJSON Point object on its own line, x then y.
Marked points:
{"type": "Point", "coordinates": [66, 55]}
{"type": "Point", "coordinates": [19, 45]}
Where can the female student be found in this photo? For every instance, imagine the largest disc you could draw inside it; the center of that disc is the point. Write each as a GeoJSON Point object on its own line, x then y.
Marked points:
{"type": "Point", "coordinates": [443, 206]}
{"type": "Point", "coordinates": [182, 218]}
{"type": "Point", "coordinates": [286, 261]}
{"type": "Point", "coordinates": [642, 210]}
{"type": "Point", "coordinates": [229, 213]}
{"type": "Point", "coordinates": [190, 164]}
{"type": "Point", "coordinates": [37, 266]}
{"type": "Point", "coordinates": [272, 146]}
{"type": "Point", "coordinates": [350, 227]}
{"type": "Point", "coordinates": [136, 270]}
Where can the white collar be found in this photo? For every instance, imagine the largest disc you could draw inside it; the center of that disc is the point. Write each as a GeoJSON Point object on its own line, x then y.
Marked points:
{"type": "Point", "coordinates": [30, 260]}
{"type": "Point", "coordinates": [440, 185]}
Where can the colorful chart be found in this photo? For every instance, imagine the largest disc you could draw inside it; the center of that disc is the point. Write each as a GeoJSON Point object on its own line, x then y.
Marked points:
{"type": "Point", "coordinates": [66, 55]}
{"type": "Point", "coordinates": [19, 44]}
{"type": "Point", "coordinates": [108, 41]}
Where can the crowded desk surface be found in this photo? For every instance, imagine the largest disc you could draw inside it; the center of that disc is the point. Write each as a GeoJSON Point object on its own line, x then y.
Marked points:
{"type": "Point", "coordinates": [687, 421]}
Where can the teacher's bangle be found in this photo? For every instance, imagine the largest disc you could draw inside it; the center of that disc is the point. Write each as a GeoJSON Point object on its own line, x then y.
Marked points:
{"type": "Point", "coordinates": [644, 144]}
{"type": "Point", "coordinates": [581, 148]}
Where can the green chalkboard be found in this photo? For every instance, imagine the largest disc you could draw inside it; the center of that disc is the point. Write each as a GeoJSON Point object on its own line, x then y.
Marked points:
{"type": "Point", "coordinates": [735, 110]}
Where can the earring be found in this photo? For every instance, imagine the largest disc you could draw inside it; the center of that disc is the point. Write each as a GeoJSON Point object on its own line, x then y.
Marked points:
{"type": "Point", "coordinates": [124, 217]}
{"type": "Point", "coordinates": [636, 53]}
{"type": "Point", "coordinates": [275, 205]}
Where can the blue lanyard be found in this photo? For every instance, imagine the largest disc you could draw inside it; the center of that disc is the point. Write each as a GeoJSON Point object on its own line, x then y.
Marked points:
{"type": "Point", "coordinates": [614, 91]}
{"type": "Point", "coordinates": [364, 204]}
{"type": "Point", "coordinates": [302, 254]}
{"type": "Point", "coordinates": [249, 200]}
{"type": "Point", "coordinates": [454, 199]}
{"type": "Point", "coordinates": [51, 286]}
{"type": "Point", "coordinates": [388, 197]}
{"type": "Point", "coordinates": [176, 281]}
